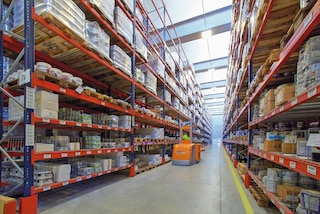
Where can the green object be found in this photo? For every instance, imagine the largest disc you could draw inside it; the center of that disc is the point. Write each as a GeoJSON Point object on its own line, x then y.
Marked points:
{"type": "Point", "coordinates": [185, 137]}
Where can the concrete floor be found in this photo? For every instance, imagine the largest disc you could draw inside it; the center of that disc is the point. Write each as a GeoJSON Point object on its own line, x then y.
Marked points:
{"type": "Point", "coordinates": [204, 188]}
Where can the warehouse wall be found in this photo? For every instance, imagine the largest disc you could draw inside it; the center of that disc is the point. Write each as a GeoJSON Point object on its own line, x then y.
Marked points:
{"type": "Point", "coordinates": [217, 128]}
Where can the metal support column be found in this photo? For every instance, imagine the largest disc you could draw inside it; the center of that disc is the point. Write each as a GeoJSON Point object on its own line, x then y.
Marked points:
{"type": "Point", "coordinates": [247, 177]}
{"type": "Point", "coordinates": [132, 97]}
{"type": "Point", "coordinates": [1, 78]}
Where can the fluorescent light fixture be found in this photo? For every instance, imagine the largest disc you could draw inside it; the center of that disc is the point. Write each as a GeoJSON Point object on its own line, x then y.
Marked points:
{"type": "Point", "coordinates": [206, 34]}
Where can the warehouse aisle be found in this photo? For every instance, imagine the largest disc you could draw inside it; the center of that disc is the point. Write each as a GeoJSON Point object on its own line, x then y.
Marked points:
{"type": "Point", "coordinates": [204, 188]}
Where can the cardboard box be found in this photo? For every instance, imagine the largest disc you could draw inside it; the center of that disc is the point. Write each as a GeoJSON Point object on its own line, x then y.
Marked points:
{"type": "Point", "coordinates": [272, 146]}
{"type": "Point", "coordinates": [61, 172]}
{"type": "Point", "coordinates": [47, 100]}
{"type": "Point", "coordinates": [288, 193]}
{"type": "Point", "coordinates": [274, 174]}
{"type": "Point", "coordinates": [46, 113]}
{"type": "Point", "coordinates": [269, 96]}
{"type": "Point", "coordinates": [75, 146]}
{"type": "Point", "coordinates": [284, 94]}
{"type": "Point", "coordinates": [269, 106]}
{"type": "Point", "coordinates": [44, 147]}
{"type": "Point", "coordinates": [289, 148]}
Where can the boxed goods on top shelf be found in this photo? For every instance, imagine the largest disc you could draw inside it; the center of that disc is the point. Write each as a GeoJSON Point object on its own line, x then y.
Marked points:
{"type": "Point", "coordinates": [308, 67]}
{"type": "Point", "coordinates": [121, 60]}
{"type": "Point", "coordinates": [67, 12]}
{"type": "Point", "coordinates": [140, 46]}
{"type": "Point", "coordinates": [106, 7]}
{"type": "Point", "coordinates": [97, 38]}
{"type": "Point", "coordinates": [123, 25]}
{"type": "Point", "coordinates": [150, 81]}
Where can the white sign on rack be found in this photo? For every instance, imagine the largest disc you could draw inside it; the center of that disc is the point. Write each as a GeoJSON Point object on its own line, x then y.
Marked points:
{"type": "Point", "coordinates": [314, 140]}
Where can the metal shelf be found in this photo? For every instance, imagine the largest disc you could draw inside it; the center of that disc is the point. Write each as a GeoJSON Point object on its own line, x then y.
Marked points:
{"type": "Point", "coordinates": [297, 108]}
{"type": "Point", "coordinates": [307, 167]}
{"type": "Point", "coordinates": [274, 199]}
{"type": "Point", "coordinates": [239, 142]}
{"type": "Point", "coordinates": [41, 156]}
{"type": "Point", "coordinates": [77, 179]}
{"type": "Point", "coordinates": [73, 124]}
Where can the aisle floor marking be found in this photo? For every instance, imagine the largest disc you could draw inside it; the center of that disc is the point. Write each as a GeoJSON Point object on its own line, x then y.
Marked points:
{"type": "Point", "coordinates": [242, 194]}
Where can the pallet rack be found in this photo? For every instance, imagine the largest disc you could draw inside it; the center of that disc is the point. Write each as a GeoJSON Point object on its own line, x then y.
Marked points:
{"type": "Point", "coordinates": [275, 56]}
{"type": "Point", "coordinates": [25, 44]}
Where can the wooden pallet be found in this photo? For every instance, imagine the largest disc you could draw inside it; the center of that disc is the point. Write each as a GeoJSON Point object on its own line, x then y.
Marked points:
{"type": "Point", "coordinates": [144, 169]}
{"type": "Point", "coordinates": [53, 79]}
{"type": "Point", "coordinates": [14, 84]}
{"type": "Point", "coordinates": [93, 94]}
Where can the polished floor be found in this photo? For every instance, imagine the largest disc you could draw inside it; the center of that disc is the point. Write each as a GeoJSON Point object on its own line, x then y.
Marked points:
{"type": "Point", "coordinates": [204, 188]}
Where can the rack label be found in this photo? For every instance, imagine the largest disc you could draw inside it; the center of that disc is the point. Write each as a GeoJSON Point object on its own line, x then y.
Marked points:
{"type": "Point", "coordinates": [308, 19]}
{"type": "Point", "coordinates": [108, 171]}
{"type": "Point", "coordinates": [103, 103]}
{"type": "Point", "coordinates": [63, 90]}
{"type": "Point", "coordinates": [30, 97]}
{"type": "Point", "coordinates": [24, 77]}
{"type": "Point", "coordinates": [89, 125]}
{"type": "Point", "coordinates": [47, 156]}
{"type": "Point", "coordinates": [99, 127]}
{"type": "Point", "coordinates": [79, 179]}
{"type": "Point", "coordinates": [294, 102]}
{"type": "Point", "coordinates": [282, 210]}
{"type": "Point", "coordinates": [272, 200]}
{"type": "Point", "coordinates": [116, 169]}
{"type": "Point", "coordinates": [63, 155]}
{"type": "Point", "coordinates": [79, 90]}
{"type": "Point", "coordinates": [78, 153]}
{"type": "Point", "coordinates": [78, 124]}
{"type": "Point", "coordinates": [314, 140]}
{"type": "Point", "coordinates": [99, 152]}
{"type": "Point", "coordinates": [88, 152]}
{"type": "Point", "coordinates": [100, 173]}
{"type": "Point", "coordinates": [292, 164]}
{"type": "Point", "coordinates": [265, 156]}
{"type": "Point", "coordinates": [312, 170]}
{"type": "Point", "coordinates": [116, 150]}
{"type": "Point", "coordinates": [46, 188]}
{"type": "Point", "coordinates": [29, 135]}
{"type": "Point", "coordinates": [312, 92]}
{"type": "Point", "coordinates": [281, 108]}
{"type": "Point", "coordinates": [89, 176]}
{"type": "Point", "coordinates": [62, 122]}
{"type": "Point", "coordinates": [108, 151]}
{"type": "Point", "coordinates": [272, 157]}
{"type": "Point", "coordinates": [45, 120]}
{"type": "Point", "coordinates": [273, 113]}
{"type": "Point", "coordinates": [65, 183]}
{"type": "Point", "coordinates": [281, 160]}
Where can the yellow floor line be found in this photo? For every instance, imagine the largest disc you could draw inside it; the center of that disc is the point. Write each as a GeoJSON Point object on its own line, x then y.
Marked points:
{"type": "Point", "coordinates": [243, 195]}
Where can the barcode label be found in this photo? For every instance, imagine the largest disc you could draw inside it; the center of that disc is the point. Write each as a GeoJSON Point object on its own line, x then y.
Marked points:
{"type": "Point", "coordinates": [46, 156]}
{"type": "Point", "coordinates": [312, 170]}
{"type": "Point", "coordinates": [79, 179]}
{"type": "Point", "coordinates": [63, 90]}
{"type": "Point", "coordinates": [281, 160]}
{"type": "Point", "coordinates": [78, 153]}
{"type": "Point", "coordinates": [312, 92]}
{"type": "Point", "coordinates": [46, 188]}
{"type": "Point", "coordinates": [264, 155]}
{"type": "Point", "coordinates": [292, 164]}
{"type": "Point", "coordinates": [294, 101]}
{"type": "Point", "coordinates": [45, 120]}
{"type": "Point", "coordinates": [88, 152]}
{"type": "Point", "coordinates": [62, 122]}
{"type": "Point", "coordinates": [272, 157]}
{"type": "Point", "coordinates": [63, 155]}
{"type": "Point", "coordinates": [65, 183]}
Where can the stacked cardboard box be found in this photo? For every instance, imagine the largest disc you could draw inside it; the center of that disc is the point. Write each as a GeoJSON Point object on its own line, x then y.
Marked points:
{"type": "Point", "coordinates": [121, 60]}
{"type": "Point", "coordinates": [284, 93]}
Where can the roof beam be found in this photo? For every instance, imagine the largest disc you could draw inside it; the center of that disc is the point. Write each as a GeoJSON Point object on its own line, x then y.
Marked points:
{"type": "Point", "coordinates": [218, 21]}
{"type": "Point", "coordinates": [213, 84]}
{"type": "Point", "coordinates": [218, 63]}
{"type": "Point", "coordinates": [214, 104]}
{"type": "Point", "coordinates": [214, 96]}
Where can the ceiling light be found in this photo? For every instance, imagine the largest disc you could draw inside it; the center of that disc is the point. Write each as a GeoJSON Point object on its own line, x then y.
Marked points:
{"type": "Point", "coordinates": [206, 34]}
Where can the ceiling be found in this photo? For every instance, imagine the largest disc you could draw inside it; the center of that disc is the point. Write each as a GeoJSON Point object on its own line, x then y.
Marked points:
{"type": "Point", "coordinates": [209, 56]}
